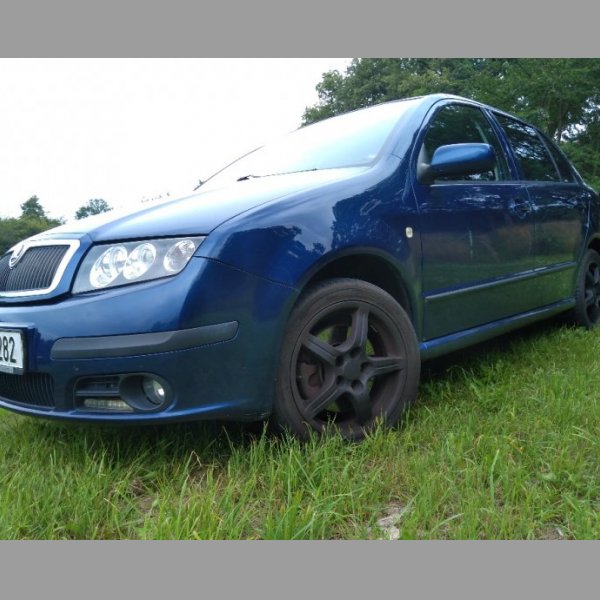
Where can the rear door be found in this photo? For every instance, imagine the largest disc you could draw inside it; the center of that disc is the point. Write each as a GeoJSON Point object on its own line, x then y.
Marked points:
{"type": "Point", "coordinates": [476, 232]}
{"type": "Point", "coordinates": [560, 205]}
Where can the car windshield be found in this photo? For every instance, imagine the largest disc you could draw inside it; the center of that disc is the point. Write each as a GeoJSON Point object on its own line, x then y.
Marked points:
{"type": "Point", "coordinates": [350, 140]}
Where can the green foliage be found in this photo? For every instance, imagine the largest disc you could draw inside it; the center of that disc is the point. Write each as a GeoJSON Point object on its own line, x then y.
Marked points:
{"type": "Point", "coordinates": [559, 95]}
{"type": "Point", "coordinates": [32, 209]}
{"type": "Point", "coordinates": [33, 220]}
{"type": "Point", "coordinates": [95, 206]}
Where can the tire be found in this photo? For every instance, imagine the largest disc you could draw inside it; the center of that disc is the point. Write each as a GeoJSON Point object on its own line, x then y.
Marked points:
{"type": "Point", "coordinates": [350, 358]}
{"type": "Point", "coordinates": [587, 292]}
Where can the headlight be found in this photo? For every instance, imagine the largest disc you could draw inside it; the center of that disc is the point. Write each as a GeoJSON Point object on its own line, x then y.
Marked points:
{"type": "Point", "coordinates": [111, 265]}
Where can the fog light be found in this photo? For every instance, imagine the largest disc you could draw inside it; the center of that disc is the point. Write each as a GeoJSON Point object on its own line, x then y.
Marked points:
{"type": "Point", "coordinates": [154, 391]}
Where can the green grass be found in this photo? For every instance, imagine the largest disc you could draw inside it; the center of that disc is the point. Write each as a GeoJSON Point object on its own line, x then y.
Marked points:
{"type": "Point", "coordinates": [502, 443]}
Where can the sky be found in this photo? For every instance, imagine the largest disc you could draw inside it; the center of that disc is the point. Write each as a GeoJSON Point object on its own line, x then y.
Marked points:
{"type": "Point", "coordinates": [133, 130]}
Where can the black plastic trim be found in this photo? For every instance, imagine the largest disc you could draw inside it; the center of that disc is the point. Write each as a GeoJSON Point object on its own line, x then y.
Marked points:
{"type": "Point", "coordinates": [142, 343]}
{"type": "Point", "coordinates": [539, 271]}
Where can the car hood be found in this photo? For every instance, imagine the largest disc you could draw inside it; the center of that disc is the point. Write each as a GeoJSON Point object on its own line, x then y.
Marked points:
{"type": "Point", "coordinates": [199, 213]}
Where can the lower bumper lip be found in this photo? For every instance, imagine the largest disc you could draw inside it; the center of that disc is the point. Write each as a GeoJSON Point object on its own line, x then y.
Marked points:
{"type": "Point", "coordinates": [140, 344]}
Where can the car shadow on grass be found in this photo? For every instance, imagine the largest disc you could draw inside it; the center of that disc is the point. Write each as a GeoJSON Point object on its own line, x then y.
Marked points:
{"type": "Point", "coordinates": [494, 349]}
{"type": "Point", "coordinates": [212, 440]}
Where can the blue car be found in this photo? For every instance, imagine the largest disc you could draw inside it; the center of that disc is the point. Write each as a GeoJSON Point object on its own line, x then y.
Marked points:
{"type": "Point", "coordinates": [306, 281]}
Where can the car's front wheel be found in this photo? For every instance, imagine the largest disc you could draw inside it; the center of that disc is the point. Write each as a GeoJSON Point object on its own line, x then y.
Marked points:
{"type": "Point", "coordinates": [350, 358]}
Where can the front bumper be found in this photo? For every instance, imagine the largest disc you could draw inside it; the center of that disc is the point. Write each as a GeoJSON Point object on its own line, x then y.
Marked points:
{"type": "Point", "coordinates": [211, 333]}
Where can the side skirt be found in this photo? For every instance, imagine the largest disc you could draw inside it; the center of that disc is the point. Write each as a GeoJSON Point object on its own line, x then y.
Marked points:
{"type": "Point", "coordinates": [462, 339]}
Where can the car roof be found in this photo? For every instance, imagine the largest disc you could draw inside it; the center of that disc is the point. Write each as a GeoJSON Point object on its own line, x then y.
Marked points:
{"type": "Point", "coordinates": [433, 99]}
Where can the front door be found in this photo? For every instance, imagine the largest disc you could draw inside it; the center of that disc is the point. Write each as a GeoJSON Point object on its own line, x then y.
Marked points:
{"type": "Point", "coordinates": [477, 233]}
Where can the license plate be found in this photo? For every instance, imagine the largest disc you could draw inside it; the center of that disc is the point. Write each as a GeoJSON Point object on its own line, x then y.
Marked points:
{"type": "Point", "coordinates": [12, 352]}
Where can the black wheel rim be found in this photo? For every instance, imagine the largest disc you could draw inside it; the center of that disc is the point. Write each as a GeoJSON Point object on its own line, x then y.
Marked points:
{"type": "Point", "coordinates": [348, 367]}
{"type": "Point", "coordinates": [592, 292]}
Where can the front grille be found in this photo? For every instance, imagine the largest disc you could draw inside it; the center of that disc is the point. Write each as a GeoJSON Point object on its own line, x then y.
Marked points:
{"type": "Point", "coordinates": [34, 389]}
{"type": "Point", "coordinates": [35, 270]}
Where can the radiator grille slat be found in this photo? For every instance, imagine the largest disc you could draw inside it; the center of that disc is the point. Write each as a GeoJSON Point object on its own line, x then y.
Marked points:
{"type": "Point", "coordinates": [33, 389]}
{"type": "Point", "coordinates": [4, 271]}
{"type": "Point", "coordinates": [35, 270]}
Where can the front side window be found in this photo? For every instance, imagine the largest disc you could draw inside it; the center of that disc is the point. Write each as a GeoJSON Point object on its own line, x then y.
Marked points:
{"type": "Point", "coordinates": [532, 155]}
{"type": "Point", "coordinates": [460, 124]}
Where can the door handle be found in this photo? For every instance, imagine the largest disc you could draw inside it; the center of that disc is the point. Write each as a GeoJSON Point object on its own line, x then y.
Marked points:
{"type": "Point", "coordinates": [519, 208]}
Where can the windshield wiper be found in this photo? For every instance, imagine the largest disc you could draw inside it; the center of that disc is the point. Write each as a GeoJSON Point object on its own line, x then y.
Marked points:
{"type": "Point", "coordinates": [246, 177]}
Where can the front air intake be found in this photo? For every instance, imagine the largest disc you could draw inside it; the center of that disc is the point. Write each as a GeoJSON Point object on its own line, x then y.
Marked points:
{"type": "Point", "coordinates": [33, 389]}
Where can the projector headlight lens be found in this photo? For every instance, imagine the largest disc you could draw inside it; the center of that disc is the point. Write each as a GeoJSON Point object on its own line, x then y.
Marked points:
{"type": "Point", "coordinates": [140, 261]}
{"type": "Point", "coordinates": [108, 266]}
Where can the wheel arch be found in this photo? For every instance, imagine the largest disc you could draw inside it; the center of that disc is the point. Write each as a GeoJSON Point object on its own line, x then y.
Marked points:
{"type": "Point", "coordinates": [368, 265]}
{"type": "Point", "coordinates": [594, 244]}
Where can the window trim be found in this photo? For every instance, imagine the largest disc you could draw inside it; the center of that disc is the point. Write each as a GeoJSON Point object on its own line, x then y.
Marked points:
{"type": "Point", "coordinates": [511, 168]}
{"type": "Point", "coordinates": [552, 145]}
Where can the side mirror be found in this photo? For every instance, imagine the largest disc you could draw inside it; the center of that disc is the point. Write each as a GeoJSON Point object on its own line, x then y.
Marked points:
{"type": "Point", "coordinates": [457, 159]}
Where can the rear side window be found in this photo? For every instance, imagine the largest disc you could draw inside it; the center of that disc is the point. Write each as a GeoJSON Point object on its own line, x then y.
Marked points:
{"type": "Point", "coordinates": [460, 124]}
{"type": "Point", "coordinates": [532, 155]}
{"type": "Point", "coordinates": [566, 173]}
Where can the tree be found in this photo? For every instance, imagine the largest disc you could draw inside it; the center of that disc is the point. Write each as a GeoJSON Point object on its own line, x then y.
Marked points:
{"type": "Point", "coordinates": [33, 209]}
{"type": "Point", "coordinates": [95, 206]}
{"type": "Point", "coordinates": [556, 94]}
{"type": "Point", "coordinates": [559, 95]}
{"type": "Point", "coordinates": [33, 220]}
{"type": "Point", "coordinates": [373, 80]}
